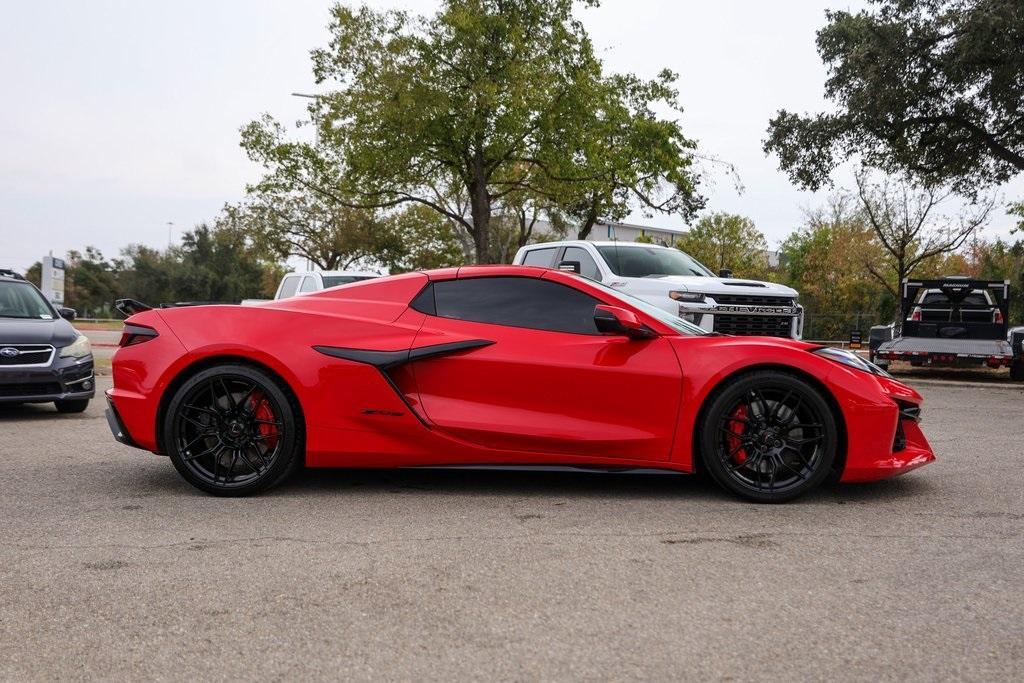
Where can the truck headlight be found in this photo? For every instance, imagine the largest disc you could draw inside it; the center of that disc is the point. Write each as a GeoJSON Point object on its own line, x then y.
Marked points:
{"type": "Point", "coordinates": [80, 348]}
{"type": "Point", "coordinates": [691, 297]}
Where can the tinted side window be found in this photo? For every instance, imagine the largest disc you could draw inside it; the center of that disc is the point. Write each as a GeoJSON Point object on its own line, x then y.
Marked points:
{"type": "Point", "coordinates": [309, 284]}
{"type": "Point", "coordinates": [288, 287]}
{"type": "Point", "coordinates": [540, 257]}
{"type": "Point", "coordinates": [588, 267]}
{"type": "Point", "coordinates": [517, 302]}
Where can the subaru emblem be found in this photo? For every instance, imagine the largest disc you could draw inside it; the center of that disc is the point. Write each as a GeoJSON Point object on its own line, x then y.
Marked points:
{"type": "Point", "coordinates": [9, 352]}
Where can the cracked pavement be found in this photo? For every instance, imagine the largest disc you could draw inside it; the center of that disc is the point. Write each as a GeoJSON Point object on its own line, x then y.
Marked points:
{"type": "Point", "coordinates": [113, 567]}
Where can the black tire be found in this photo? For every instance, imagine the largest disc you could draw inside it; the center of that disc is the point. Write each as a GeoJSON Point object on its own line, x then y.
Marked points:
{"type": "Point", "coordinates": [768, 436]}
{"type": "Point", "coordinates": [1017, 371]}
{"type": "Point", "coordinates": [233, 430]}
{"type": "Point", "coordinates": [75, 406]}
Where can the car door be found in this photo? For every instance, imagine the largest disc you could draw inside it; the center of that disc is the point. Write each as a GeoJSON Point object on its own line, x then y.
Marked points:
{"type": "Point", "coordinates": [533, 373]}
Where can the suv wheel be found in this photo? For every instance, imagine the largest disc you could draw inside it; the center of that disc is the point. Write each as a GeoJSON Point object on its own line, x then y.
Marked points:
{"type": "Point", "coordinates": [72, 406]}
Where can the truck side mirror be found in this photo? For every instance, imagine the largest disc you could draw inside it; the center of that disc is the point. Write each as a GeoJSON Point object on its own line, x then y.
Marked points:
{"type": "Point", "coordinates": [68, 314]}
{"type": "Point", "coordinates": [570, 266]}
{"type": "Point", "coordinates": [725, 273]}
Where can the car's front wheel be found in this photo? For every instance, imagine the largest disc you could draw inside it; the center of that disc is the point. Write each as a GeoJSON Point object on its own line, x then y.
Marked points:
{"type": "Point", "coordinates": [232, 430]}
{"type": "Point", "coordinates": [769, 436]}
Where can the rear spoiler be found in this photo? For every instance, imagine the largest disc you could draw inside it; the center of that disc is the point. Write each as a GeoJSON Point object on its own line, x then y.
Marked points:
{"type": "Point", "coordinates": [129, 307]}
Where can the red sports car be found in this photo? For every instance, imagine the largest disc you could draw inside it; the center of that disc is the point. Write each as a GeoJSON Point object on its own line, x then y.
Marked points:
{"type": "Point", "coordinates": [498, 366]}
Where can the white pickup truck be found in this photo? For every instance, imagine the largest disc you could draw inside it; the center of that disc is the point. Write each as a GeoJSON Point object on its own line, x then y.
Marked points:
{"type": "Point", "coordinates": [676, 282]}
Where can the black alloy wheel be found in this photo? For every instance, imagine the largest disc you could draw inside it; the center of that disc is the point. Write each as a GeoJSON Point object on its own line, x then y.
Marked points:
{"type": "Point", "coordinates": [232, 430]}
{"type": "Point", "coordinates": [769, 437]}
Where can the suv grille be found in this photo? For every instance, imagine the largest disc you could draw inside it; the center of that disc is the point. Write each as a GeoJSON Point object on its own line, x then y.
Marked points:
{"type": "Point", "coordinates": [37, 389]}
{"type": "Point", "coordinates": [28, 354]}
{"type": "Point", "coordinates": [753, 325]}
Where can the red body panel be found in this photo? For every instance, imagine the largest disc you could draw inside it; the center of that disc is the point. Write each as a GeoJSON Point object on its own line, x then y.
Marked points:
{"type": "Point", "coordinates": [530, 397]}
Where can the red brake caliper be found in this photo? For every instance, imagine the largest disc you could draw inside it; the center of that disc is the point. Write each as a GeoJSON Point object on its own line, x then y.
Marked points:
{"type": "Point", "coordinates": [737, 424]}
{"type": "Point", "coordinates": [263, 412]}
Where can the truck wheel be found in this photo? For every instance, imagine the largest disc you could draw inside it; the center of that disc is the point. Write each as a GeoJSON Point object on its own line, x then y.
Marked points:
{"type": "Point", "coordinates": [1017, 370]}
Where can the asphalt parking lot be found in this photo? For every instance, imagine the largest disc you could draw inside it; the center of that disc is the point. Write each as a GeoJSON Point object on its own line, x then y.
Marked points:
{"type": "Point", "coordinates": [112, 567]}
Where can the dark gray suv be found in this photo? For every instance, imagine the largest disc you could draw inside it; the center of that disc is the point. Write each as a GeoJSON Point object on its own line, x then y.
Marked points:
{"type": "Point", "coordinates": [42, 357]}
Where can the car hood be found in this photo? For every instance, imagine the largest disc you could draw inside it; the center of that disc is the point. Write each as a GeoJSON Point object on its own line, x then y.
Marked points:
{"type": "Point", "coordinates": [716, 285]}
{"type": "Point", "coordinates": [57, 332]}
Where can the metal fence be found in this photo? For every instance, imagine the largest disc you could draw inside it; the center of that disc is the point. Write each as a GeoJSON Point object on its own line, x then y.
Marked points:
{"type": "Point", "coordinates": [838, 326]}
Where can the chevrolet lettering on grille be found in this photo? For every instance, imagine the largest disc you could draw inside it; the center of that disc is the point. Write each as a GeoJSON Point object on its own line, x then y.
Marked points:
{"type": "Point", "coordinates": [791, 311]}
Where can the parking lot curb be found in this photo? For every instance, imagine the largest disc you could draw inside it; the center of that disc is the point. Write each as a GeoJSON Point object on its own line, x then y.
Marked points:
{"type": "Point", "coordinates": [953, 383]}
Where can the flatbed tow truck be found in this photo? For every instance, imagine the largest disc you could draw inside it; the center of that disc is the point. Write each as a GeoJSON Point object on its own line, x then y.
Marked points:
{"type": "Point", "coordinates": [952, 322]}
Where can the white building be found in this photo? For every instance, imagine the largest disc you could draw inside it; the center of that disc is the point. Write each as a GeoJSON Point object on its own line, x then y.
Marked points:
{"type": "Point", "coordinates": [614, 231]}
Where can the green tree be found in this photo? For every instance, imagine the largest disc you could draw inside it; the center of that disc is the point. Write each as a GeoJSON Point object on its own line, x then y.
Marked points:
{"type": "Point", "coordinates": [625, 157]}
{"type": "Point", "coordinates": [724, 240]}
{"type": "Point", "coordinates": [428, 240]}
{"type": "Point", "coordinates": [933, 88]}
{"type": "Point", "coordinates": [462, 110]}
{"type": "Point", "coordinates": [908, 224]}
{"type": "Point", "coordinates": [313, 227]}
{"type": "Point", "coordinates": [90, 282]}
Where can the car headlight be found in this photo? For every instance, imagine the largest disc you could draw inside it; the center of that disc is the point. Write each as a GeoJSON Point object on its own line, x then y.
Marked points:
{"type": "Point", "coordinates": [692, 297]}
{"type": "Point", "coordinates": [852, 360]}
{"type": "Point", "coordinates": [80, 348]}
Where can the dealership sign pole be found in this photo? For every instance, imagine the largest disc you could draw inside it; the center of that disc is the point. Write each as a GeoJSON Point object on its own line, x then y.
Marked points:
{"type": "Point", "coordinates": [52, 279]}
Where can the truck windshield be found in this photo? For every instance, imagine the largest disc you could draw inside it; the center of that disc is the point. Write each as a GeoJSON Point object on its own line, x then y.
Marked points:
{"type": "Point", "coordinates": [335, 280]}
{"type": "Point", "coordinates": [676, 323]}
{"type": "Point", "coordinates": [640, 261]}
{"type": "Point", "coordinates": [22, 300]}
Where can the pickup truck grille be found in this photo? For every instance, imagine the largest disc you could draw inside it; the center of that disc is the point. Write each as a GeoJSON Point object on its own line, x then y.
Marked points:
{"type": "Point", "coordinates": [753, 325]}
{"type": "Point", "coordinates": [752, 300]}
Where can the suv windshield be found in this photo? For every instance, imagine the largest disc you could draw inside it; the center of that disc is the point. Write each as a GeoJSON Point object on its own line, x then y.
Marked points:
{"type": "Point", "coordinates": [676, 323]}
{"type": "Point", "coordinates": [22, 300]}
{"type": "Point", "coordinates": [634, 261]}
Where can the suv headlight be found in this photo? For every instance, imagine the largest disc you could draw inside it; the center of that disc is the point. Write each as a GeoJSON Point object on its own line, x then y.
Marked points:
{"type": "Point", "coordinates": [692, 297]}
{"type": "Point", "coordinates": [80, 348]}
{"type": "Point", "coordinates": [852, 360]}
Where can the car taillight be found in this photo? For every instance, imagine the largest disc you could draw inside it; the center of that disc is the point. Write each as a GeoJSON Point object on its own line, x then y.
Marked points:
{"type": "Point", "coordinates": [136, 334]}
{"type": "Point", "coordinates": [997, 317]}
{"type": "Point", "coordinates": [915, 314]}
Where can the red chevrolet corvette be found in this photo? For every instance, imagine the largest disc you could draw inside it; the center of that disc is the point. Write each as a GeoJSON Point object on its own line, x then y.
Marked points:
{"type": "Point", "coordinates": [498, 366]}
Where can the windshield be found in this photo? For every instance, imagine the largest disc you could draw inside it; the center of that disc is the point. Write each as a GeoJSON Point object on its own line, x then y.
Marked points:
{"type": "Point", "coordinates": [638, 261]}
{"type": "Point", "coordinates": [335, 280]}
{"type": "Point", "coordinates": [676, 323]}
{"type": "Point", "coordinates": [22, 300]}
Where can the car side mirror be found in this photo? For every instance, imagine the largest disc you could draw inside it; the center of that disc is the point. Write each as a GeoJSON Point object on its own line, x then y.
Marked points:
{"type": "Point", "coordinates": [68, 314]}
{"type": "Point", "coordinates": [619, 321]}
{"type": "Point", "coordinates": [570, 266]}
{"type": "Point", "coordinates": [725, 273]}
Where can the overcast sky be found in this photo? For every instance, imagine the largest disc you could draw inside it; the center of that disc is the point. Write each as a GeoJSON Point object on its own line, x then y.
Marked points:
{"type": "Point", "coordinates": [121, 117]}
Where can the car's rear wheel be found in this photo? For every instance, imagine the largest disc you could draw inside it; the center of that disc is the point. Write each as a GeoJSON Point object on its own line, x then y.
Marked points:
{"type": "Point", "coordinates": [74, 406]}
{"type": "Point", "coordinates": [768, 436]}
{"type": "Point", "coordinates": [232, 430]}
